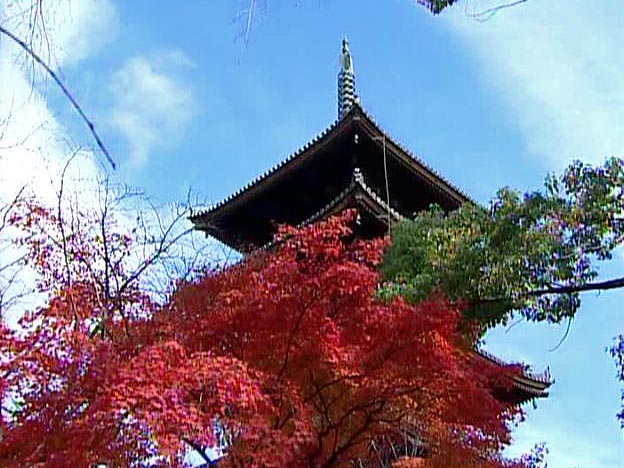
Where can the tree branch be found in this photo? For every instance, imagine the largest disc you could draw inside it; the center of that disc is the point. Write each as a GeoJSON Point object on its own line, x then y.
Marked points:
{"type": "Point", "coordinates": [487, 14]}
{"type": "Point", "coordinates": [200, 450]}
{"type": "Point", "coordinates": [615, 283]}
{"type": "Point", "coordinates": [64, 89]}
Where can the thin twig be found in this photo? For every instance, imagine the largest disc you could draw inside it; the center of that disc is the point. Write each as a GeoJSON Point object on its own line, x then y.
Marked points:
{"type": "Point", "coordinates": [488, 13]}
{"type": "Point", "coordinates": [565, 335]}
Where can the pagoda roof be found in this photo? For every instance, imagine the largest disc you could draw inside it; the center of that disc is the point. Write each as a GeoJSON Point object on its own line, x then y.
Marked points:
{"type": "Point", "coordinates": [355, 132]}
{"type": "Point", "coordinates": [525, 386]}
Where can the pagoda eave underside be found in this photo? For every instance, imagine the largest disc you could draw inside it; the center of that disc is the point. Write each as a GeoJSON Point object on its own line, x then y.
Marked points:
{"type": "Point", "coordinates": [375, 215]}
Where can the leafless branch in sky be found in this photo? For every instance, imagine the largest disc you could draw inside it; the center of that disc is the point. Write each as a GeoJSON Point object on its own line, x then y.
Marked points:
{"type": "Point", "coordinates": [486, 14]}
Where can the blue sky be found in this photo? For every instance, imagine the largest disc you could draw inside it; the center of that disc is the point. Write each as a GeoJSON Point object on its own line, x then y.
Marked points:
{"type": "Point", "coordinates": [184, 101]}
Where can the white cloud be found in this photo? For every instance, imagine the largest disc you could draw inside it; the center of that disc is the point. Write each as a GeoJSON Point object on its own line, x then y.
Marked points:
{"type": "Point", "coordinates": [152, 103]}
{"type": "Point", "coordinates": [62, 32]}
{"type": "Point", "coordinates": [557, 65]}
{"type": "Point", "coordinates": [34, 145]}
{"type": "Point", "coordinates": [94, 24]}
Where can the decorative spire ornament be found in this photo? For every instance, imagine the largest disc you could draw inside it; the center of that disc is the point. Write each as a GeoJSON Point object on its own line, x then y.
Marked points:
{"type": "Point", "coordinates": [346, 81]}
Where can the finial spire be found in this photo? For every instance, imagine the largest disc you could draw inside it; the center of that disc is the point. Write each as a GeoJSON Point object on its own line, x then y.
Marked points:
{"type": "Point", "coordinates": [346, 81]}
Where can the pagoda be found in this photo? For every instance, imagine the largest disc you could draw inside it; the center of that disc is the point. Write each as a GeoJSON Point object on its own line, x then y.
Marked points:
{"type": "Point", "coordinates": [354, 163]}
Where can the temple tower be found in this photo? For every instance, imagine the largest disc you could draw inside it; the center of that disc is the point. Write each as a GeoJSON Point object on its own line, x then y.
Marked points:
{"type": "Point", "coordinates": [354, 163]}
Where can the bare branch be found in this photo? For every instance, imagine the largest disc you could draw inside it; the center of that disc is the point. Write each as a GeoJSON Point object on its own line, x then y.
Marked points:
{"type": "Point", "coordinates": [488, 13]}
{"type": "Point", "coordinates": [64, 89]}
{"type": "Point", "coordinates": [563, 338]}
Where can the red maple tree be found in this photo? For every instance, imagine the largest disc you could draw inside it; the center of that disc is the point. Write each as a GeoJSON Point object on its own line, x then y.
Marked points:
{"type": "Point", "coordinates": [287, 359]}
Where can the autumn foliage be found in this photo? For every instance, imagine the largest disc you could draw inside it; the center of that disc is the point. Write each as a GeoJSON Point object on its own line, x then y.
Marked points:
{"type": "Point", "coordinates": [287, 359]}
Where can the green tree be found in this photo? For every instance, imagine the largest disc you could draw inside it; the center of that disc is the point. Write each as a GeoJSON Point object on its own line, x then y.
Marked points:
{"type": "Point", "coordinates": [528, 254]}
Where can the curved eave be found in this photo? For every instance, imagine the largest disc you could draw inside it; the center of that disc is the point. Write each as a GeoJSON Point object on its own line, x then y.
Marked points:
{"type": "Point", "coordinates": [527, 385]}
